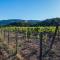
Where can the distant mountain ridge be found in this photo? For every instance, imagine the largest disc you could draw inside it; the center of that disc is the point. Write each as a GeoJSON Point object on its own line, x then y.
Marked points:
{"type": "Point", "coordinates": [7, 22]}
{"type": "Point", "coordinates": [13, 21]}
{"type": "Point", "coordinates": [19, 22]}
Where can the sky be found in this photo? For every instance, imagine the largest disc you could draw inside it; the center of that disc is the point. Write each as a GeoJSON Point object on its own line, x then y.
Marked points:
{"type": "Point", "coordinates": [29, 9]}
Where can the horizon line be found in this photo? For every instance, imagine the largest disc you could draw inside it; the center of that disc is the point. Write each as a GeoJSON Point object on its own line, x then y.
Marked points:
{"type": "Point", "coordinates": [29, 19]}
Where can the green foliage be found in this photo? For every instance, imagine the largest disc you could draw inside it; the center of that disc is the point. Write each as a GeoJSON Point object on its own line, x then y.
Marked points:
{"type": "Point", "coordinates": [30, 29]}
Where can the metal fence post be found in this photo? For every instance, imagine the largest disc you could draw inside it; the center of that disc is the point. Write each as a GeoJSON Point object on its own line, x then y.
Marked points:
{"type": "Point", "coordinates": [41, 36]}
{"type": "Point", "coordinates": [4, 34]}
{"type": "Point", "coordinates": [16, 39]}
{"type": "Point", "coordinates": [8, 37]}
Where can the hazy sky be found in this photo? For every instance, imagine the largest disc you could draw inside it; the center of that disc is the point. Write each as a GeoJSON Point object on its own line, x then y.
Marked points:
{"type": "Point", "coordinates": [29, 9]}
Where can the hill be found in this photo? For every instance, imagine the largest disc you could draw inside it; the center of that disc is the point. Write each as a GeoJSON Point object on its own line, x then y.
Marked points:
{"type": "Point", "coordinates": [19, 22]}
{"type": "Point", "coordinates": [49, 22]}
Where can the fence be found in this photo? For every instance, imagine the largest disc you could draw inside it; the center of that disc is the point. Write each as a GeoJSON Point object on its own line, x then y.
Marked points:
{"type": "Point", "coordinates": [39, 46]}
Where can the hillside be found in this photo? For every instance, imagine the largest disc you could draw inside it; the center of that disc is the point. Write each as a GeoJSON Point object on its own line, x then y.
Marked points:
{"type": "Point", "coordinates": [19, 22]}
{"type": "Point", "coordinates": [49, 22]}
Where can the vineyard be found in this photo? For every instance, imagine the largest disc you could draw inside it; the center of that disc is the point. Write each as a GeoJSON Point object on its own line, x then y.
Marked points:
{"type": "Point", "coordinates": [30, 43]}
{"type": "Point", "coordinates": [31, 29]}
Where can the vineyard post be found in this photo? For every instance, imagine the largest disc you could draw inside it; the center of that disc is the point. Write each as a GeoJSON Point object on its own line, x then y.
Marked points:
{"type": "Point", "coordinates": [4, 34]}
{"type": "Point", "coordinates": [8, 37]}
{"type": "Point", "coordinates": [41, 36]}
{"type": "Point", "coordinates": [58, 34]}
{"type": "Point", "coordinates": [1, 30]}
{"type": "Point", "coordinates": [26, 29]}
{"type": "Point", "coordinates": [16, 35]}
